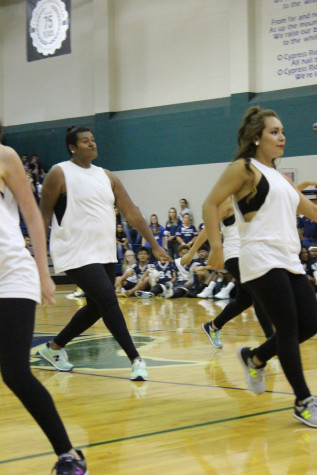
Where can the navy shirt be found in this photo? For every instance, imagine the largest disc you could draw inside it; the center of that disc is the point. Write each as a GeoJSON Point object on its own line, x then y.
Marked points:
{"type": "Point", "coordinates": [309, 227]}
{"type": "Point", "coordinates": [186, 233]}
{"type": "Point", "coordinates": [172, 228]}
{"type": "Point", "coordinates": [166, 271]}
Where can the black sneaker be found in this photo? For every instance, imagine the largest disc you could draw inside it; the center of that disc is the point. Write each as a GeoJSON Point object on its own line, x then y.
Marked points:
{"type": "Point", "coordinates": [67, 465]}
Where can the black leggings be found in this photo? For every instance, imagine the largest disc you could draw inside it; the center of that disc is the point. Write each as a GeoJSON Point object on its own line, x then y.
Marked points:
{"type": "Point", "coordinates": [97, 281]}
{"type": "Point", "coordinates": [290, 302]}
{"type": "Point", "coordinates": [242, 301]}
{"type": "Point", "coordinates": [16, 331]}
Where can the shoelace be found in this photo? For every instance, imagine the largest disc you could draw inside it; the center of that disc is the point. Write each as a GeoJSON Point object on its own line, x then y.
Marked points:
{"type": "Point", "coordinates": [139, 364]}
{"type": "Point", "coordinates": [312, 403]}
{"type": "Point", "coordinates": [257, 373]}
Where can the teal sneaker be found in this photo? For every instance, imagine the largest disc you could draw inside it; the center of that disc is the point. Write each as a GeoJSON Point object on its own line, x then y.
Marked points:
{"type": "Point", "coordinates": [213, 335]}
{"type": "Point", "coordinates": [57, 358]}
{"type": "Point", "coordinates": [139, 372]}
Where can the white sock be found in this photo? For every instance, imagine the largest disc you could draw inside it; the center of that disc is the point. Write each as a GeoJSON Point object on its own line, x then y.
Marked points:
{"type": "Point", "coordinates": [228, 288]}
{"type": "Point", "coordinates": [211, 285]}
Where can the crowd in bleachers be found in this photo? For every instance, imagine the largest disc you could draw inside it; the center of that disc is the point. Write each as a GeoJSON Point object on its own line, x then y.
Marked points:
{"type": "Point", "coordinates": [148, 278]}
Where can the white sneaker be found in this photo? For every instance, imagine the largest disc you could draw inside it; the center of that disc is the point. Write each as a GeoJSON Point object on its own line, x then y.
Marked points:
{"type": "Point", "coordinates": [222, 295]}
{"type": "Point", "coordinates": [168, 292]}
{"type": "Point", "coordinates": [76, 294]}
{"type": "Point", "coordinates": [143, 294]}
{"type": "Point", "coordinates": [57, 358]}
{"type": "Point", "coordinates": [139, 372]}
{"type": "Point", "coordinates": [205, 294]}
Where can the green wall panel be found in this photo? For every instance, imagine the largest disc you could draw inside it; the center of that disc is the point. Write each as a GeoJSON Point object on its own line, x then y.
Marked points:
{"type": "Point", "coordinates": [177, 135]}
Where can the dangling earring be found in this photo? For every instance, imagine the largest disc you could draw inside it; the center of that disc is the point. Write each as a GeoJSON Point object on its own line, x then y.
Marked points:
{"type": "Point", "coordinates": [73, 151]}
{"type": "Point", "coordinates": [257, 143]}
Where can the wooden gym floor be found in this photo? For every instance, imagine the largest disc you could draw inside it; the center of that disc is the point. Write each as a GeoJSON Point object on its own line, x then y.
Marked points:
{"type": "Point", "coordinates": [194, 415]}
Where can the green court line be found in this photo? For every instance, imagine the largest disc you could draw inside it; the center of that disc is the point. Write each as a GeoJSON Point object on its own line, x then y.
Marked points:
{"type": "Point", "coordinates": [151, 434]}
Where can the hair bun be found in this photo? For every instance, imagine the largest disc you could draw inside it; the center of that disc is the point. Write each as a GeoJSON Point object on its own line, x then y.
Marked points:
{"type": "Point", "coordinates": [251, 112]}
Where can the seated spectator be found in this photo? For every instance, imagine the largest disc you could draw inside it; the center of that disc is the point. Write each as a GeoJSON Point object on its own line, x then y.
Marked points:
{"type": "Point", "coordinates": [172, 223]}
{"type": "Point", "coordinates": [158, 233]}
{"type": "Point", "coordinates": [213, 285]}
{"type": "Point", "coordinates": [311, 269]}
{"type": "Point", "coordinates": [213, 280]}
{"type": "Point", "coordinates": [37, 169]}
{"type": "Point", "coordinates": [136, 277]}
{"type": "Point", "coordinates": [184, 277]}
{"type": "Point", "coordinates": [186, 233]}
{"type": "Point", "coordinates": [184, 208]}
{"type": "Point", "coordinates": [304, 257]}
{"type": "Point", "coordinates": [133, 234]}
{"type": "Point", "coordinates": [24, 159]}
{"type": "Point", "coordinates": [128, 260]}
{"type": "Point", "coordinates": [228, 285]}
{"type": "Point", "coordinates": [122, 242]}
{"type": "Point", "coordinates": [164, 274]}
{"type": "Point", "coordinates": [199, 229]}
{"type": "Point", "coordinates": [307, 228]}
{"type": "Point", "coordinates": [200, 269]}
{"type": "Point", "coordinates": [118, 215]}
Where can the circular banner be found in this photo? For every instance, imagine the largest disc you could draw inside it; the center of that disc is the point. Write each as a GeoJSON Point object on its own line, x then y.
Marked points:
{"type": "Point", "coordinates": [48, 26]}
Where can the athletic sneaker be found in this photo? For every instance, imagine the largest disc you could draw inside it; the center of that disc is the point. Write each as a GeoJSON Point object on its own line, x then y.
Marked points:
{"type": "Point", "coordinates": [68, 465]}
{"type": "Point", "coordinates": [57, 358]}
{"type": "Point", "coordinates": [139, 372]}
{"type": "Point", "coordinates": [254, 375]}
{"type": "Point", "coordinates": [213, 335]}
{"type": "Point", "coordinates": [76, 294]}
{"type": "Point", "coordinates": [168, 292]}
{"type": "Point", "coordinates": [143, 294]}
{"type": "Point", "coordinates": [222, 295]}
{"type": "Point", "coordinates": [307, 413]}
{"type": "Point", "coordinates": [205, 294]}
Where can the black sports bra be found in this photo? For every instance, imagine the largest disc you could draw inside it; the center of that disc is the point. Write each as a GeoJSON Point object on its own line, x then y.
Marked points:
{"type": "Point", "coordinates": [229, 221]}
{"type": "Point", "coordinates": [255, 203]}
{"type": "Point", "coordinates": [60, 207]}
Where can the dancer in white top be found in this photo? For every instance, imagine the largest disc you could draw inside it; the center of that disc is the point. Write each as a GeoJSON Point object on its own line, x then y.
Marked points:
{"type": "Point", "coordinates": [80, 197]}
{"type": "Point", "coordinates": [243, 299]}
{"type": "Point", "coordinates": [266, 205]}
{"type": "Point", "coordinates": [23, 282]}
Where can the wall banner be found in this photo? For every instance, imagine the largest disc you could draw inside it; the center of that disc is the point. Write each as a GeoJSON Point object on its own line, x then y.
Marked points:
{"type": "Point", "coordinates": [48, 28]}
{"type": "Point", "coordinates": [286, 44]}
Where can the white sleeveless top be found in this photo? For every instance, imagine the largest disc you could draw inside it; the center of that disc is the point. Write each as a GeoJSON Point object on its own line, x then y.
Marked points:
{"type": "Point", "coordinates": [231, 241]}
{"type": "Point", "coordinates": [87, 234]}
{"type": "Point", "coordinates": [271, 239]}
{"type": "Point", "coordinates": [19, 276]}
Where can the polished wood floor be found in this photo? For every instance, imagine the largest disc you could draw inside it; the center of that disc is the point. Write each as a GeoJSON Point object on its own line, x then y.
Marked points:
{"type": "Point", "coordinates": [194, 415]}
